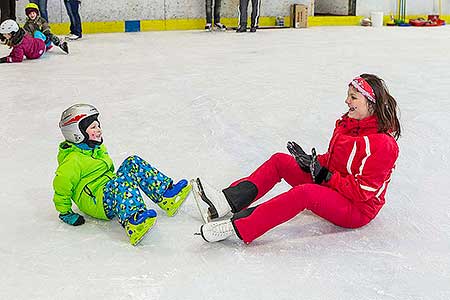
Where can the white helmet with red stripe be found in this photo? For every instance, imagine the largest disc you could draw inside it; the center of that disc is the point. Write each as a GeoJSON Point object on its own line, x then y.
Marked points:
{"type": "Point", "coordinates": [70, 121]}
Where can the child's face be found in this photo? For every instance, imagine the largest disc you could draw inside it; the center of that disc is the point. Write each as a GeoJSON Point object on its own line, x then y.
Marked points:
{"type": "Point", "coordinates": [32, 15]}
{"type": "Point", "coordinates": [7, 36]}
{"type": "Point", "coordinates": [94, 132]}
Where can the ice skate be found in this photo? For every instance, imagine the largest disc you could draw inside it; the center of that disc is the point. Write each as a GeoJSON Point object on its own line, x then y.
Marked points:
{"type": "Point", "coordinates": [241, 29]}
{"type": "Point", "coordinates": [217, 231]}
{"type": "Point", "coordinates": [220, 26]}
{"type": "Point", "coordinates": [208, 27]}
{"type": "Point", "coordinates": [64, 47]}
{"type": "Point", "coordinates": [175, 197]}
{"type": "Point", "coordinates": [72, 37]}
{"type": "Point", "coordinates": [139, 224]}
{"type": "Point", "coordinates": [217, 203]}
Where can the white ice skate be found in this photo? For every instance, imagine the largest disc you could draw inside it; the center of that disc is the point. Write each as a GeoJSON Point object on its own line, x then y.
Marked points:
{"type": "Point", "coordinates": [217, 231]}
{"type": "Point", "coordinates": [72, 37]}
{"type": "Point", "coordinates": [218, 206]}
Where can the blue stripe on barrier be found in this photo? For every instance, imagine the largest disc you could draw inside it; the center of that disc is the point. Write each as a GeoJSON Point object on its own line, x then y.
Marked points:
{"type": "Point", "coordinates": [132, 26]}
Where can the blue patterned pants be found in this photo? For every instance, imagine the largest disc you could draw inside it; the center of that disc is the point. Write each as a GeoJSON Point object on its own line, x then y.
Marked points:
{"type": "Point", "coordinates": [122, 197]}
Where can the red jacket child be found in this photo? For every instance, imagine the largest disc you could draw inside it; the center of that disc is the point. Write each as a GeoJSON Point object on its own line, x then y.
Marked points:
{"type": "Point", "coordinates": [23, 44]}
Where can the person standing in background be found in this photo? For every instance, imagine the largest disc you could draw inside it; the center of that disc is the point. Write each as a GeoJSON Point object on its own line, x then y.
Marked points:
{"type": "Point", "coordinates": [217, 24]}
{"type": "Point", "coordinates": [42, 4]}
{"type": "Point", "coordinates": [8, 10]}
{"type": "Point", "coordinates": [243, 5]}
{"type": "Point", "coordinates": [72, 7]}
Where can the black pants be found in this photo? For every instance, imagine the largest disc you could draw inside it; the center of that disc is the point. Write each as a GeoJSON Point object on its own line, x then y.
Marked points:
{"type": "Point", "coordinates": [243, 5]}
{"type": "Point", "coordinates": [8, 10]}
{"type": "Point", "coordinates": [209, 4]}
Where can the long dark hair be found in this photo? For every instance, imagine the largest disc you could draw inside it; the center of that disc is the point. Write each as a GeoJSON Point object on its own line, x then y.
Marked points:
{"type": "Point", "coordinates": [385, 106]}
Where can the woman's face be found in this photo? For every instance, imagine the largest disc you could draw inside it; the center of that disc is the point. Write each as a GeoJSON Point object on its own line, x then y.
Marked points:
{"type": "Point", "coordinates": [358, 105]}
{"type": "Point", "coordinates": [94, 132]}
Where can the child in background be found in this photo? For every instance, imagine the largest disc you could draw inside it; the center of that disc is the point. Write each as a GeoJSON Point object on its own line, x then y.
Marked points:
{"type": "Point", "coordinates": [36, 23]}
{"type": "Point", "coordinates": [22, 43]}
{"type": "Point", "coordinates": [85, 175]}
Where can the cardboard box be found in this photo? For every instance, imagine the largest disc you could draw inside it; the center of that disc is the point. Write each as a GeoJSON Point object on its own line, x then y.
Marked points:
{"type": "Point", "coordinates": [299, 16]}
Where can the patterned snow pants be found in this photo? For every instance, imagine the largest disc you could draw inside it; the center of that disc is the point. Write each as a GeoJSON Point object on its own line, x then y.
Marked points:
{"type": "Point", "coordinates": [122, 197]}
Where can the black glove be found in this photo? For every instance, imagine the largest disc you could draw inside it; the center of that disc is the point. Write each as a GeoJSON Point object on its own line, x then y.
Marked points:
{"type": "Point", "coordinates": [72, 218]}
{"type": "Point", "coordinates": [3, 60]}
{"type": "Point", "coordinates": [318, 173]}
{"type": "Point", "coordinates": [303, 159]}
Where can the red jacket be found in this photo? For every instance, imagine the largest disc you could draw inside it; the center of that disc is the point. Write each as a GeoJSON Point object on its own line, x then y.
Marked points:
{"type": "Point", "coordinates": [30, 47]}
{"type": "Point", "coordinates": [361, 160]}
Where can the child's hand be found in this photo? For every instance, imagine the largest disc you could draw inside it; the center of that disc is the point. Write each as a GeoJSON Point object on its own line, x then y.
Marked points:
{"type": "Point", "coordinates": [72, 218]}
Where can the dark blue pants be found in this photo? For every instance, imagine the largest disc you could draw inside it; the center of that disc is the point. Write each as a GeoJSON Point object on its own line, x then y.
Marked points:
{"type": "Point", "coordinates": [209, 4]}
{"type": "Point", "coordinates": [72, 7]}
{"type": "Point", "coordinates": [42, 8]}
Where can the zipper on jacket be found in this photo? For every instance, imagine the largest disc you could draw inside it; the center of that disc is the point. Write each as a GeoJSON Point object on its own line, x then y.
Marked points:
{"type": "Point", "coordinates": [88, 191]}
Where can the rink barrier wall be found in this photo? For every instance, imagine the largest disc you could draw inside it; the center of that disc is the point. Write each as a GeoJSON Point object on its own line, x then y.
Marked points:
{"type": "Point", "coordinates": [198, 24]}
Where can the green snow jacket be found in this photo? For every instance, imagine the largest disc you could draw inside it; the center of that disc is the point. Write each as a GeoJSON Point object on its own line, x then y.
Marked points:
{"type": "Point", "coordinates": [81, 176]}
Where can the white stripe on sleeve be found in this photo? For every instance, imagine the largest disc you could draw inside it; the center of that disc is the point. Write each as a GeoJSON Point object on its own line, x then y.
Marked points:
{"type": "Point", "coordinates": [350, 159]}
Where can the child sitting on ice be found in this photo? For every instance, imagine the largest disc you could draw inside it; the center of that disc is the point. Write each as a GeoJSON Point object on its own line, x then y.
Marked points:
{"type": "Point", "coordinates": [85, 175]}
{"type": "Point", "coordinates": [36, 23]}
{"type": "Point", "coordinates": [22, 43]}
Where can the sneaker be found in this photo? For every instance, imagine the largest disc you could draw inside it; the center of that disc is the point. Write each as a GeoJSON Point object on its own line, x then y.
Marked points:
{"type": "Point", "coordinates": [173, 198]}
{"type": "Point", "coordinates": [241, 29]}
{"type": "Point", "coordinates": [217, 231]}
{"type": "Point", "coordinates": [208, 27]}
{"type": "Point", "coordinates": [139, 224]}
{"type": "Point", "coordinates": [64, 47]}
{"type": "Point", "coordinates": [73, 37]}
{"type": "Point", "coordinates": [220, 26]}
{"type": "Point", "coordinates": [218, 204]}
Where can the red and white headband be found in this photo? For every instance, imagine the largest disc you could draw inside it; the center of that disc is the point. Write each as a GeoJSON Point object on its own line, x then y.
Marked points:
{"type": "Point", "coordinates": [361, 85]}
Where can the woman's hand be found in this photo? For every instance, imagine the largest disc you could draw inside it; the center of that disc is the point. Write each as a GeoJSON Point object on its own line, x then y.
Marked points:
{"type": "Point", "coordinates": [303, 159]}
{"type": "Point", "coordinates": [318, 173]}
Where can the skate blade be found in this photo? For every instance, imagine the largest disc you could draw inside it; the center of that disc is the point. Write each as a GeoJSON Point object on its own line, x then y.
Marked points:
{"type": "Point", "coordinates": [196, 190]}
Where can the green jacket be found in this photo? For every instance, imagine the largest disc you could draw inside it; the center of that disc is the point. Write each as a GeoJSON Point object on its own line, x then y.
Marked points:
{"type": "Point", "coordinates": [39, 23]}
{"type": "Point", "coordinates": [81, 176]}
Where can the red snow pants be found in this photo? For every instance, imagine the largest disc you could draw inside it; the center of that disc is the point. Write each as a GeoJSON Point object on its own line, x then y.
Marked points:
{"type": "Point", "coordinates": [304, 194]}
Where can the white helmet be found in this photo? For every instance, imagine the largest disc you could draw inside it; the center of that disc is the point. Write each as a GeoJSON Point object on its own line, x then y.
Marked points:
{"type": "Point", "coordinates": [71, 118]}
{"type": "Point", "coordinates": [9, 26]}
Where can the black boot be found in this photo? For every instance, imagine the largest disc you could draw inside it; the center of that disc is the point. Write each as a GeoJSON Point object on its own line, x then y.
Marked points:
{"type": "Point", "coordinates": [253, 29]}
{"type": "Point", "coordinates": [242, 28]}
{"type": "Point", "coordinates": [241, 195]}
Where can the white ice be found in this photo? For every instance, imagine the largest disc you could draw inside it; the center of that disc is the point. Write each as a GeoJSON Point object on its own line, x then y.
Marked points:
{"type": "Point", "coordinates": [216, 105]}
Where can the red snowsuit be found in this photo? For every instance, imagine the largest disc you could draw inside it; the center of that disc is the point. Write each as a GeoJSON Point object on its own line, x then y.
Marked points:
{"type": "Point", "coordinates": [29, 47]}
{"type": "Point", "coordinates": [361, 161]}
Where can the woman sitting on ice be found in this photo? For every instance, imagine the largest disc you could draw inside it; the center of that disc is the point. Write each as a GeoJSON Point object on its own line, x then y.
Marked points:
{"type": "Point", "coordinates": [345, 186]}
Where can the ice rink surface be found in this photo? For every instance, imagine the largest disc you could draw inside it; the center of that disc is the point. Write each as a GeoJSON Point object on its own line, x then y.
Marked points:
{"type": "Point", "coordinates": [217, 105]}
